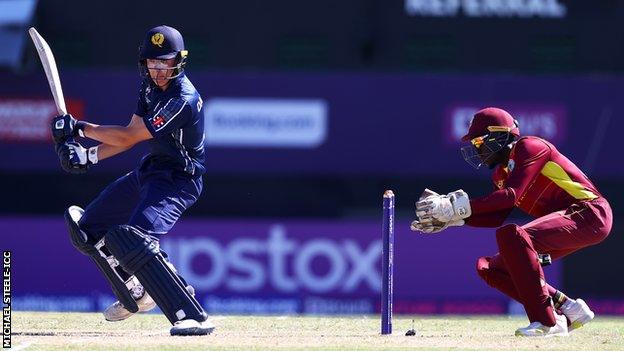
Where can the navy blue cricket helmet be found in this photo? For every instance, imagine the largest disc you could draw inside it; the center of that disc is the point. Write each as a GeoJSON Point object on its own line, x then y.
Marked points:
{"type": "Point", "coordinates": [163, 42]}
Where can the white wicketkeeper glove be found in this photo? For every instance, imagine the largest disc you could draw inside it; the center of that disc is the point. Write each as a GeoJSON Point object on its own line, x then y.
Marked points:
{"type": "Point", "coordinates": [437, 212]}
{"type": "Point", "coordinates": [445, 208]}
{"type": "Point", "coordinates": [434, 226]}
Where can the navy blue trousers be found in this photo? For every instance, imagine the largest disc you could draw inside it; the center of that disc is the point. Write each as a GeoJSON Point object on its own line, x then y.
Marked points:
{"type": "Point", "coordinates": [151, 200]}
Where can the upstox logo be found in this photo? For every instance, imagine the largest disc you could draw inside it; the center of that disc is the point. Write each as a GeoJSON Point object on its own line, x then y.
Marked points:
{"type": "Point", "coordinates": [158, 39]}
{"type": "Point", "coordinates": [278, 262]}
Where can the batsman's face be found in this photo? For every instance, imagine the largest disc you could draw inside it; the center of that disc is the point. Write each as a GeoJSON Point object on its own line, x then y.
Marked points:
{"type": "Point", "coordinates": [160, 71]}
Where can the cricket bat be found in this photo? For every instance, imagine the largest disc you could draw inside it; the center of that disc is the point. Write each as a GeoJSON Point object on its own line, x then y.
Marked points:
{"type": "Point", "coordinates": [49, 66]}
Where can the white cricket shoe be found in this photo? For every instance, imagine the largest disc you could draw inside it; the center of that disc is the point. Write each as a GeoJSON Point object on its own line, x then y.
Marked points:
{"type": "Point", "coordinates": [538, 329]}
{"type": "Point", "coordinates": [577, 312]}
{"type": "Point", "coordinates": [189, 327]}
{"type": "Point", "coordinates": [117, 312]}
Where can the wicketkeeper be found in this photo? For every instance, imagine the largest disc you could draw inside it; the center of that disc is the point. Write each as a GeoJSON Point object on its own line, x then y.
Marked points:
{"type": "Point", "coordinates": [120, 229]}
{"type": "Point", "coordinates": [531, 174]}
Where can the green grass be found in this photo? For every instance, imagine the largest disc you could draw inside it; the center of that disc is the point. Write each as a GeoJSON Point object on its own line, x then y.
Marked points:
{"type": "Point", "coordinates": [89, 331]}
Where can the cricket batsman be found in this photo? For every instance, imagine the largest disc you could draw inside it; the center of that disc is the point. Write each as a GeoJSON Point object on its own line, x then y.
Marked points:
{"type": "Point", "coordinates": [121, 228]}
{"type": "Point", "coordinates": [531, 174]}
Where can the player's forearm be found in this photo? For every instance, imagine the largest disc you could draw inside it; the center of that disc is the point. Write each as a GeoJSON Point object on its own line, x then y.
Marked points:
{"type": "Point", "coordinates": [106, 150]}
{"type": "Point", "coordinates": [488, 220]}
{"type": "Point", "coordinates": [111, 135]}
{"type": "Point", "coordinates": [498, 200]}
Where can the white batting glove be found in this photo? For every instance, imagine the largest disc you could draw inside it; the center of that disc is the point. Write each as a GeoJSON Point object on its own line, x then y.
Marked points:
{"type": "Point", "coordinates": [80, 155]}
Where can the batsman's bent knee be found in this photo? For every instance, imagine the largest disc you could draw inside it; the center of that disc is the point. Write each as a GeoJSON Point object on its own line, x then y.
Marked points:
{"type": "Point", "coordinates": [120, 281]}
{"type": "Point", "coordinates": [80, 239]}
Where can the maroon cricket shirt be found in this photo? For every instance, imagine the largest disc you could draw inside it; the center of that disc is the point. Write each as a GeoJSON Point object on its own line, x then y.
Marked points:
{"type": "Point", "coordinates": [538, 179]}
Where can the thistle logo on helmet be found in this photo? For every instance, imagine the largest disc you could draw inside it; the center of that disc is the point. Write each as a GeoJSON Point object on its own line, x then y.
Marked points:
{"type": "Point", "coordinates": [158, 39]}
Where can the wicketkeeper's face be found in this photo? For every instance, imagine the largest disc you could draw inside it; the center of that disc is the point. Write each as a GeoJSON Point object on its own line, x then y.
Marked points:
{"type": "Point", "coordinates": [483, 149]}
{"type": "Point", "coordinates": [161, 70]}
{"type": "Point", "coordinates": [487, 150]}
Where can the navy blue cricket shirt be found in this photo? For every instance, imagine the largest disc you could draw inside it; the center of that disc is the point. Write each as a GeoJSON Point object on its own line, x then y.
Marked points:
{"type": "Point", "coordinates": [174, 118]}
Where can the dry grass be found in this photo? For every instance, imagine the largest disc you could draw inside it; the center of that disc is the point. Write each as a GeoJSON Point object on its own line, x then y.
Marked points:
{"type": "Point", "coordinates": [89, 331]}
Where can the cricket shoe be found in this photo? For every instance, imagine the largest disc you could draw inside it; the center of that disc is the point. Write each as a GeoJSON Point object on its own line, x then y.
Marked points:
{"type": "Point", "coordinates": [538, 329]}
{"type": "Point", "coordinates": [117, 312]}
{"type": "Point", "coordinates": [577, 312]}
{"type": "Point", "coordinates": [190, 327]}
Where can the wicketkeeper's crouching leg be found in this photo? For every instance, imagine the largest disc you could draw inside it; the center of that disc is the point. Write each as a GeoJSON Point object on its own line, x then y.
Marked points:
{"type": "Point", "coordinates": [520, 257]}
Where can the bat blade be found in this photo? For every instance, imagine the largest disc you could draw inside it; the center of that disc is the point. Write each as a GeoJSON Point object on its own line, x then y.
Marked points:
{"type": "Point", "coordinates": [51, 71]}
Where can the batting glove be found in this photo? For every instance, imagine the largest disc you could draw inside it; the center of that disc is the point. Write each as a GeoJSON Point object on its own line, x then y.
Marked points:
{"type": "Point", "coordinates": [75, 158]}
{"type": "Point", "coordinates": [66, 127]}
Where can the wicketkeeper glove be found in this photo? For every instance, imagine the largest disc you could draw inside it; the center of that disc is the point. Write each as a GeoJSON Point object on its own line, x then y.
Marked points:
{"type": "Point", "coordinates": [445, 208]}
{"type": "Point", "coordinates": [433, 226]}
{"type": "Point", "coordinates": [437, 212]}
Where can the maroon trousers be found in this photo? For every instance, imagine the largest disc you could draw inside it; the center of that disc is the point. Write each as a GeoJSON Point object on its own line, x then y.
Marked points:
{"type": "Point", "coordinates": [515, 270]}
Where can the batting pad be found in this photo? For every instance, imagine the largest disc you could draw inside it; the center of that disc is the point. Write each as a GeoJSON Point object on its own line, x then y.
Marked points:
{"type": "Point", "coordinates": [116, 277]}
{"type": "Point", "coordinates": [139, 254]}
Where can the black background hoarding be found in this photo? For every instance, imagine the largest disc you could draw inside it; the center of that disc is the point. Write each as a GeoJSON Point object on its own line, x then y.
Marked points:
{"type": "Point", "coordinates": [350, 34]}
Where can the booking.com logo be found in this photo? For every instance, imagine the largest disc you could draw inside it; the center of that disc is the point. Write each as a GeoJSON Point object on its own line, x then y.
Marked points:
{"type": "Point", "coordinates": [547, 121]}
{"type": "Point", "coordinates": [277, 262]}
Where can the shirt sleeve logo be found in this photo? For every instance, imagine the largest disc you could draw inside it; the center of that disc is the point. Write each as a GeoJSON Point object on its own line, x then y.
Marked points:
{"type": "Point", "coordinates": [200, 103]}
{"type": "Point", "coordinates": [158, 121]}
